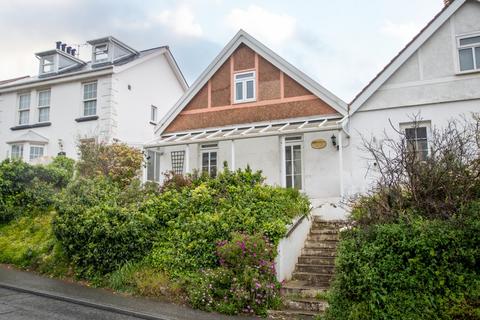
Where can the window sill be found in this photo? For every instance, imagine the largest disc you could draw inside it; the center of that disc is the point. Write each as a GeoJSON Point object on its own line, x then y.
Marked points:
{"type": "Point", "coordinates": [30, 126]}
{"type": "Point", "coordinates": [153, 123]}
{"type": "Point", "coordinates": [244, 101]}
{"type": "Point", "coordinates": [461, 73]}
{"type": "Point", "coordinates": [89, 118]}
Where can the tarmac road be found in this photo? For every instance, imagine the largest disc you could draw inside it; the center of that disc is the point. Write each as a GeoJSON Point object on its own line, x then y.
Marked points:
{"type": "Point", "coordinates": [24, 306]}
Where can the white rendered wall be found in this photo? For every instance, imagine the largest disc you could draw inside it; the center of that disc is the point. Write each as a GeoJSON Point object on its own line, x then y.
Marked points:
{"type": "Point", "coordinates": [65, 106]}
{"type": "Point", "coordinates": [152, 83]}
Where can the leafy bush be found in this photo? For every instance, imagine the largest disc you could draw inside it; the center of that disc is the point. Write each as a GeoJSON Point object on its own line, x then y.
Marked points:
{"type": "Point", "coordinates": [26, 188]}
{"type": "Point", "coordinates": [99, 231]}
{"type": "Point", "coordinates": [29, 243]}
{"type": "Point", "coordinates": [196, 217]}
{"type": "Point", "coordinates": [118, 162]}
{"type": "Point", "coordinates": [424, 269]}
{"type": "Point", "coordinates": [245, 282]}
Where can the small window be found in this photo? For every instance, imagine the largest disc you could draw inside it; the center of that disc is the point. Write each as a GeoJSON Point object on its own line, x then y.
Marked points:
{"type": "Point", "coordinates": [153, 114]}
{"type": "Point", "coordinates": [44, 106]}
{"type": "Point", "coordinates": [100, 53]}
{"type": "Point", "coordinates": [90, 99]}
{"type": "Point", "coordinates": [47, 64]}
{"type": "Point", "coordinates": [23, 108]}
{"type": "Point", "coordinates": [293, 165]}
{"type": "Point", "coordinates": [178, 158]}
{"type": "Point", "coordinates": [36, 152]}
{"type": "Point", "coordinates": [153, 166]}
{"type": "Point", "coordinates": [209, 163]}
{"type": "Point", "coordinates": [417, 141]}
{"type": "Point", "coordinates": [469, 53]}
{"type": "Point", "coordinates": [17, 151]}
{"type": "Point", "coordinates": [244, 87]}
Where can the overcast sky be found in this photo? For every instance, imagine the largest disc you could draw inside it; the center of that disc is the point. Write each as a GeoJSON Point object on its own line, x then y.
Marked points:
{"type": "Point", "coordinates": [341, 44]}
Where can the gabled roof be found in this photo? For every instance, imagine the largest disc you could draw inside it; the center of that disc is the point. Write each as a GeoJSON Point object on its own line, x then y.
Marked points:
{"type": "Point", "coordinates": [404, 54]}
{"type": "Point", "coordinates": [114, 40]}
{"type": "Point", "coordinates": [30, 136]}
{"type": "Point", "coordinates": [243, 37]}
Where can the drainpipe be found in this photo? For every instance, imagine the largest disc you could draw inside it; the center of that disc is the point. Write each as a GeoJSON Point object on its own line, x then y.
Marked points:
{"type": "Point", "coordinates": [187, 158]}
{"type": "Point", "coordinates": [340, 160]}
{"type": "Point", "coordinates": [232, 145]}
{"type": "Point", "coordinates": [283, 176]}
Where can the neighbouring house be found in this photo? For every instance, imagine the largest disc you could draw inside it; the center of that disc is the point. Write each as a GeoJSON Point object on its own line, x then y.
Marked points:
{"type": "Point", "coordinates": [251, 107]}
{"type": "Point", "coordinates": [436, 76]}
{"type": "Point", "coordinates": [118, 96]}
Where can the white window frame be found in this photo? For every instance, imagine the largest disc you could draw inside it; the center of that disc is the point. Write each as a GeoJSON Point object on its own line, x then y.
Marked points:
{"type": "Point", "coordinates": [40, 107]}
{"type": "Point", "coordinates": [476, 64]}
{"type": "Point", "coordinates": [153, 113]}
{"type": "Point", "coordinates": [20, 153]}
{"type": "Point", "coordinates": [84, 100]}
{"type": "Point", "coordinates": [153, 158]}
{"type": "Point", "coordinates": [209, 148]}
{"type": "Point", "coordinates": [96, 53]}
{"type": "Point", "coordinates": [27, 110]}
{"type": "Point", "coordinates": [421, 124]}
{"type": "Point", "coordinates": [244, 81]}
{"type": "Point", "coordinates": [291, 141]}
{"type": "Point", "coordinates": [38, 147]}
{"type": "Point", "coordinates": [43, 64]}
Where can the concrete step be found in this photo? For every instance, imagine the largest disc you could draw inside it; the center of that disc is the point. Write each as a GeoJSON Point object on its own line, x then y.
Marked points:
{"type": "Point", "coordinates": [292, 314]}
{"type": "Point", "coordinates": [314, 279]}
{"type": "Point", "coordinates": [306, 304]}
{"type": "Point", "coordinates": [299, 288]}
{"type": "Point", "coordinates": [315, 268]}
{"type": "Point", "coordinates": [323, 252]}
{"type": "Point", "coordinates": [323, 237]}
{"type": "Point", "coordinates": [321, 244]}
{"type": "Point", "coordinates": [309, 259]}
{"type": "Point", "coordinates": [315, 231]}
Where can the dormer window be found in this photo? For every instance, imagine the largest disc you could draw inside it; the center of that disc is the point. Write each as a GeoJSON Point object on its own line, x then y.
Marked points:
{"type": "Point", "coordinates": [47, 64]}
{"type": "Point", "coordinates": [244, 87]}
{"type": "Point", "coordinates": [100, 53]}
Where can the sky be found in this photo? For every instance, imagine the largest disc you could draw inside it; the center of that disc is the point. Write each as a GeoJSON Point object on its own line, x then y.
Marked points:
{"type": "Point", "coordinates": [340, 44]}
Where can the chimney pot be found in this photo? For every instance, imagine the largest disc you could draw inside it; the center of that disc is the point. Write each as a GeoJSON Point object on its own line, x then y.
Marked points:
{"type": "Point", "coordinates": [73, 52]}
{"type": "Point", "coordinates": [69, 49]}
{"type": "Point", "coordinates": [447, 2]}
{"type": "Point", "coordinates": [58, 44]}
{"type": "Point", "coordinates": [63, 46]}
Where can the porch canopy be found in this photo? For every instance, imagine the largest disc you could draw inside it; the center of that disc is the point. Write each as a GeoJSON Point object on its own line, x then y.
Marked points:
{"type": "Point", "coordinates": [248, 131]}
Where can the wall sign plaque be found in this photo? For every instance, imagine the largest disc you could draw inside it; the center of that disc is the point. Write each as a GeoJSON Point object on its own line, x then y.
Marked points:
{"type": "Point", "coordinates": [318, 144]}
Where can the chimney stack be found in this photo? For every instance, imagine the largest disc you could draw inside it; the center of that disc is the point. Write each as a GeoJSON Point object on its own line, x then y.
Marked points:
{"type": "Point", "coordinates": [58, 44]}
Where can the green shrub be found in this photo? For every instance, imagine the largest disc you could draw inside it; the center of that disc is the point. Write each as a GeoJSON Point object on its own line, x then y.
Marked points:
{"type": "Point", "coordinates": [26, 188]}
{"type": "Point", "coordinates": [28, 242]}
{"type": "Point", "coordinates": [424, 269]}
{"type": "Point", "coordinates": [245, 282]}
{"type": "Point", "coordinates": [199, 215]}
{"type": "Point", "coordinates": [97, 230]}
{"type": "Point", "coordinates": [118, 162]}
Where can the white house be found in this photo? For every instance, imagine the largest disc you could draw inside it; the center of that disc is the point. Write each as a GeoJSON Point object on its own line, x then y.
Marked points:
{"type": "Point", "coordinates": [251, 107]}
{"type": "Point", "coordinates": [436, 76]}
{"type": "Point", "coordinates": [118, 96]}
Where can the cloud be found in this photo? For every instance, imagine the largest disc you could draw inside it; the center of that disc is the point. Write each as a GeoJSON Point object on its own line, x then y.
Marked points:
{"type": "Point", "coordinates": [270, 27]}
{"type": "Point", "coordinates": [181, 20]}
{"type": "Point", "coordinates": [402, 31]}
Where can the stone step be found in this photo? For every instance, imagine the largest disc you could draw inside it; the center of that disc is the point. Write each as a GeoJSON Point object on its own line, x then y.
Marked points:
{"type": "Point", "coordinates": [318, 260]}
{"type": "Point", "coordinates": [321, 244]}
{"type": "Point", "coordinates": [315, 231]}
{"type": "Point", "coordinates": [307, 304]}
{"type": "Point", "coordinates": [301, 289]}
{"type": "Point", "coordinates": [323, 252]}
{"type": "Point", "coordinates": [334, 222]}
{"type": "Point", "coordinates": [323, 237]}
{"type": "Point", "coordinates": [292, 314]}
{"type": "Point", "coordinates": [314, 279]}
{"type": "Point", "coordinates": [328, 269]}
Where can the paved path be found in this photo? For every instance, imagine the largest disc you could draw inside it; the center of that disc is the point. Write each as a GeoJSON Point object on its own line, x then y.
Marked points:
{"type": "Point", "coordinates": [15, 305]}
{"type": "Point", "coordinates": [66, 295]}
